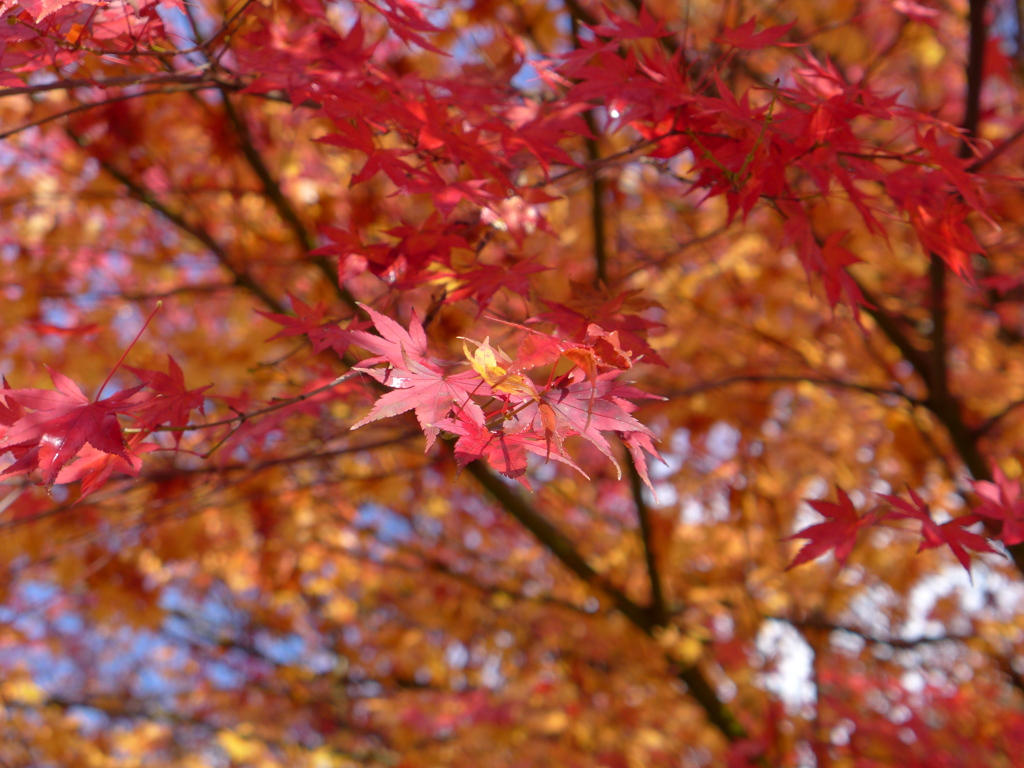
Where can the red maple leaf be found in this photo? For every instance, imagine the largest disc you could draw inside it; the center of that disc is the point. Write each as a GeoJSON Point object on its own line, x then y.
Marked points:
{"type": "Point", "coordinates": [94, 467]}
{"type": "Point", "coordinates": [743, 36]}
{"type": "Point", "coordinates": [170, 402]}
{"type": "Point", "coordinates": [395, 344]}
{"type": "Point", "coordinates": [431, 394]}
{"type": "Point", "coordinates": [839, 533]}
{"type": "Point", "coordinates": [308, 321]}
{"type": "Point", "coordinates": [484, 280]}
{"type": "Point", "coordinates": [917, 12]}
{"type": "Point", "coordinates": [62, 421]}
{"type": "Point", "coordinates": [11, 411]}
{"type": "Point", "coordinates": [618, 28]}
{"type": "Point", "coordinates": [536, 349]}
{"type": "Point", "coordinates": [505, 451]}
{"type": "Point", "coordinates": [588, 408]}
{"type": "Point", "coordinates": [954, 533]}
{"type": "Point", "coordinates": [637, 443]}
{"type": "Point", "coordinates": [40, 9]}
{"type": "Point", "coordinates": [25, 458]}
{"type": "Point", "coordinates": [1002, 501]}
{"type": "Point", "coordinates": [618, 313]}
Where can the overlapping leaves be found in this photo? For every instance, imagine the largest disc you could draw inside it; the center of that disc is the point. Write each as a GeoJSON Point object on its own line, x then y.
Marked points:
{"type": "Point", "coordinates": [497, 413]}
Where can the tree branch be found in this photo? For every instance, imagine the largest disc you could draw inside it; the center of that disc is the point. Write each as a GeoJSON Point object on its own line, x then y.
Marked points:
{"type": "Point", "coordinates": [278, 199]}
{"type": "Point", "coordinates": [557, 542]}
{"type": "Point", "coordinates": [975, 73]}
{"type": "Point", "coordinates": [938, 375]}
{"type": "Point", "coordinates": [145, 196]}
{"type": "Point", "coordinates": [559, 545]}
{"type": "Point", "coordinates": [206, 79]}
{"type": "Point", "coordinates": [597, 218]}
{"type": "Point", "coordinates": [658, 608]}
{"type": "Point", "coordinates": [890, 327]}
{"type": "Point", "coordinates": [892, 642]}
{"type": "Point", "coordinates": [185, 88]}
{"type": "Point", "coordinates": [707, 386]}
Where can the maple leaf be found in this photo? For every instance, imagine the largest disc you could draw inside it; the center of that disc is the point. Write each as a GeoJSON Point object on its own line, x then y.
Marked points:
{"type": "Point", "coordinates": [618, 313]}
{"type": "Point", "coordinates": [308, 321]}
{"type": "Point", "coordinates": [622, 29]}
{"type": "Point", "coordinates": [917, 12]}
{"type": "Point", "coordinates": [598, 350]}
{"type": "Point", "coordinates": [953, 533]}
{"type": "Point", "coordinates": [40, 9]}
{"type": "Point", "coordinates": [25, 458]}
{"type": "Point", "coordinates": [484, 280]}
{"type": "Point", "coordinates": [11, 411]}
{"type": "Point", "coordinates": [394, 344]}
{"type": "Point", "coordinates": [359, 137]}
{"type": "Point", "coordinates": [406, 20]}
{"type": "Point", "coordinates": [503, 450]}
{"type": "Point", "coordinates": [484, 360]}
{"type": "Point", "coordinates": [306, 318]}
{"type": "Point", "coordinates": [839, 533]}
{"type": "Point", "coordinates": [428, 392]}
{"type": "Point", "coordinates": [744, 38]}
{"type": "Point", "coordinates": [536, 349]}
{"type": "Point", "coordinates": [172, 403]}
{"type": "Point", "coordinates": [588, 408]}
{"type": "Point", "coordinates": [94, 467]}
{"type": "Point", "coordinates": [829, 259]}
{"type": "Point", "coordinates": [62, 421]}
{"type": "Point", "coordinates": [1002, 501]}
{"type": "Point", "coordinates": [637, 443]}
{"type": "Point", "coordinates": [947, 234]}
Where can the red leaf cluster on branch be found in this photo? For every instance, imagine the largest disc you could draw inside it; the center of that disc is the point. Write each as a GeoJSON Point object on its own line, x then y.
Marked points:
{"type": "Point", "coordinates": [498, 413]}
{"type": "Point", "coordinates": [840, 532]}
{"type": "Point", "coordinates": [46, 429]}
{"type": "Point", "coordinates": [490, 162]}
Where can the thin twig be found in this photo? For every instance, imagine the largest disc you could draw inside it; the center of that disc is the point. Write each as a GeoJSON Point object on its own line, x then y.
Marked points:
{"type": "Point", "coordinates": [113, 100]}
{"type": "Point", "coordinates": [243, 417]}
{"type": "Point", "coordinates": [658, 607]}
{"type": "Point", "coordinates": [281, 203]}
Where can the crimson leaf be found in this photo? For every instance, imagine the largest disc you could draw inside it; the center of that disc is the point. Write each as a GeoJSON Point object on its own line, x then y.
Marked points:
{"type": "Point", "coordinates": [62, 421]}
{"type": "Point", "coordinates": [839, 533]}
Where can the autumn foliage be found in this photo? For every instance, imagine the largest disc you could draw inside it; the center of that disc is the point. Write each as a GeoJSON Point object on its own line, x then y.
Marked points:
{"type": "Point", "coordinates": [621, 384]}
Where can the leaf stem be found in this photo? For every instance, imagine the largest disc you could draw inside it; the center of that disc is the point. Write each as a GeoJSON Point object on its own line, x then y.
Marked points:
{"type": "Point", "coordinates": [113, 370]}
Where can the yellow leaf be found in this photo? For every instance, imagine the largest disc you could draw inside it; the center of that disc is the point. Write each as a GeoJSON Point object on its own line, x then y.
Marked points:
{"type": "Point", "coordinates": [554, 723]}
{"type": "Point", "coordinates": [485, 363]}
{"type": "Point", "coordinates": [23, 692]}
{"type": "Point", "coordinates": [239, 748]}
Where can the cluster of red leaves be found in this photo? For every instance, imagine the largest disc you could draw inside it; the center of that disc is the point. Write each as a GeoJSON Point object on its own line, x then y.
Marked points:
{"type": "Point", "coordinates": [1000, 501]}
{"type": "Point", "coordinates": [765, 148]}
{"type": "Point", "coordinates": [467, 145]}
{"type": "Point", "coordinates": [498, 413]}
{"type": "Point", "coordinates": [464, 141]}
{"type": "Point", "coordinates": [41, 34]}
{"type": "Point", "coordinates": [45, 429]}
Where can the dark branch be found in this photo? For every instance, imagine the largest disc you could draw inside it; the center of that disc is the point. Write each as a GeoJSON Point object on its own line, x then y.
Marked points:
{"type": "Point", "coordinates": [559, 545]}
{"type": "Point", "coordinates": [145, 196]}
{"type": "Point", "coordinates": [278, 199]}
{"type": "Point", "coordinates": [729, 381]}
{"type": "Point", "coordinates": [658, 609]}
